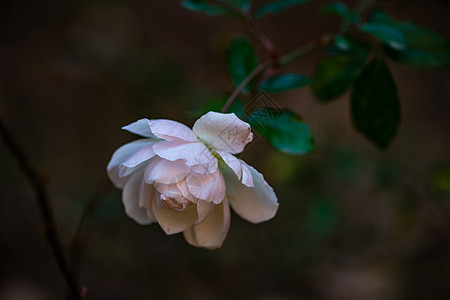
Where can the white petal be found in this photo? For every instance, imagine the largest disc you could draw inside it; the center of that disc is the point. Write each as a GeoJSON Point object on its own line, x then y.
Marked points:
{"type": "Point", "coordinates": [208, 187]}
{"type": "Point", "coordinates": [172, 130]}
{"type": "Point", "coordinates": [224, 132]}
{"type": "Point", "coordinates": [173, 221]}
{"type": "Point", "coordinates": [211, 233]}
{"type": "Point", "coordinates": [165, 171]}
{"type": "Point", "coordinates": [247, 178]}
{"type": "Point", "coordinates": [254, 204]}
{"type": "Point", "coordinates": [194, 154]}
{"type": "Point", "coordinates": [136, 159]}
{"type": "Point", "coordinates": [232, 162]}
{"type": "Point", "coordinates": [122, 154]}
{"type": "Point", "coordinates": [140, 127]}
{"type": "Point", "coordinates": [130, 199]}
{"type": "Point", "coordinates": [203, 210]}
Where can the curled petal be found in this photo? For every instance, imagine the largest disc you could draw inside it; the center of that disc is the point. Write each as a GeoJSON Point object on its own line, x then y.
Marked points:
{"type": "Point", "coordinates": [247, 178]}
{"type": "Point", "coordinates": [212, 231]}
{"type": "Point", "coordinates": [223, 132]}
{"type": "Point", "coordinates": [254, 204]}
{"type": "Point", "coordinates": [171, 130]}
{"type": "Point", "coordinates": [121, 155]}
{"type": "Point", "coordinates": [194, 154]}
{"type": "Point", "coordinates": [136, 159]}
{"type": "Point", "coordinates": [165, 171]}
{"type": "Point", "coordinates": [147, 194]}
{"type": "Point", "coordinates": [141, 128]}
{"type": "Point", "coordinates": [208, 187]}
{"type": "Point", "coordinates": [130, 198]}
{"type": "Point", "coordinates": [232, 162]}
{"type": "Point", "coordinates": [174, 221]}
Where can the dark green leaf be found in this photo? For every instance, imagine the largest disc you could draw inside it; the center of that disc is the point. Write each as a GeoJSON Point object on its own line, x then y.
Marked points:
{"type": "Point", "coordinates": [375, 104]}
{"type": "Point", "coordinates": [275, 7]}
{"type": "Point", "coordinates": [241, 60]}
{"type": "Point", "coordinates": [284, 82]}
{"type": "Point", "coordinates": [340, 9]}
{"type": "Point", "coordinates": [337, 71]}
{"type": "Point", "coordinates": [242, 5]}
{"type": "Point", "coordinates": [283, 129]}
{"type": "Point", "coordinates": [216, 105]}
{"type": "Point", "coordinates": [424, 48]}
{"type": "Point", "coordinates": [385, 33]}
{"type": "Point", "coordinates": [204, 7]}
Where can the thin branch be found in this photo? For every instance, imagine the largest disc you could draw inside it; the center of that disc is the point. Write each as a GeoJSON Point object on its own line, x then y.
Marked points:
{"type": "Point", "coordinates": [85, 226]}
{"type": "Point", "coordinates": [48, 219]}
{"type": "Point", "coordinates": [261, 67]}
{"type": "Point", "coordinates": [265, 41]}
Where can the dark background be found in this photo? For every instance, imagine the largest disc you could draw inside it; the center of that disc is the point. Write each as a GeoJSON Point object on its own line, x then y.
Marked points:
{"type": "Point", "coordinates": [354, 222]}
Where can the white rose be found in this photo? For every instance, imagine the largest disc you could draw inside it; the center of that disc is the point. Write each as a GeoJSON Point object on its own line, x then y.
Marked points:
{"type": "Point", "coordinates": [185, 179]}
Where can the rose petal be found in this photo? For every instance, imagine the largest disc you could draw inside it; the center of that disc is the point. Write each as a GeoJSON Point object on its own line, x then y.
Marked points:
{"type": "Point", "coordinates": [137, 158]}
{"type": "Point", "coordinates": [140, 127]}
{"type": "Point", "coordinates": [122, 154]}
{"type": "Point", "coordinates": [194, 154]}
{"type": "Point", "coordinates": [254, 204]}
{"type": "Point", "coordinates": [130, 199]}
{"type": "Point", "coordinates": [247, 178]}
{"type": "Point", "coordinates": [165, 171]}
{"type": "Point", "coordinates": [147, 194]}
{"type": "Point", "coordinates": [209, 187]}
{"type": "Point", "coordinates": [203, 210]}
{"type": "Point", "coordinates": [232, 162]}
{"type": "Point", "coordinates": [212, 231]}
{"type": "Point", "coordinates": [173, 221]}
{"type": "Point", "coordinates": [172, 130]}
{"type": "Point", "coordinates": [224, 132]}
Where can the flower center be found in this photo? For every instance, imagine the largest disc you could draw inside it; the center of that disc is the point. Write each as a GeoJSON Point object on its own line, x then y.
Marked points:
{"type": "Point", "coordinates": [175, 204]}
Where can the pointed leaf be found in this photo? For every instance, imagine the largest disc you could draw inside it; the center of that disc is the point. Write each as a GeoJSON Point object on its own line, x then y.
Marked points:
{"type": "Point", "coordinates": [337, 71]}
{"type": "Point", "coordinates": [424, 48]}
{"type": "Point", "coordinates": [375, 104]}
{"type": "Point", "coordinates": [284, 82]}
{"type": "Point", "coordinates": [283, 129]}
{"type": "Point", "coordinates": [275, 7]}
{"type": "Point", "coordinates": [241, 60]}
{"type": "Point", "coordinates": [385, 33]}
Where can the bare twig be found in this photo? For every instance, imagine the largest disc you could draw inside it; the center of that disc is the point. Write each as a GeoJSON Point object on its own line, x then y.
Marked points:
{"type": "Point", "coordinates": [48, 219]}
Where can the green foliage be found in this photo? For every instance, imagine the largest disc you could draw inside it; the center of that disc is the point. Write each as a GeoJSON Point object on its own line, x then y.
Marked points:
{"type": "Point", "coordinates": [375, 104]}
{"type": "Point", "coordinates": [216, 105]}
{"type": "Point", "coordinates": [284, 130]}
{"type": "Point", "coordinates": [340, 9]}
{"type": "Point", "coordinates": [339, 69]}
{"type": "Point", "coordinates": [241, 60]}
{"type": "Point", "coordinates": [385, 33]}
{"type": "Point", "coordinates": [284, 82]}
{"type": "Point", "coordinates": [424, 48]}
{"type": "Point", "coordinates": [204, 7]}
{"type": "Point", "coordinates": [242, 5]}
{"type": "Point", "coordinates": [275, 7]}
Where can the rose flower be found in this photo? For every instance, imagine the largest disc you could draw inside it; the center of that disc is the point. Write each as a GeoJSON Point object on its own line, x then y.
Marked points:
{"type": "Point", "coordinates": [186, 180]}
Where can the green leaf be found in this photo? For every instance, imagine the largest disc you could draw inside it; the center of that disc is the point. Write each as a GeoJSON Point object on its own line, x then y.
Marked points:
{"type": "Point", "coordinates": [340, 9]}
{"type": "Point", "coordinates": [284, 82]}
{"type": "Point", "coordinates": [283, 129]}
{"type": "Point", "coordinates": [204, 7]}
{"type": "Point", "coordinates": [275, 7]}
{"type": "Point", "coordinates": [385, 33]}
{"type": "Point", "coordinates": [424, 48]}
{"type": "Point", "coordinates": [242, 5]}
{"type": "Point", "coordinates": [375, 104]}
{"type": "Point", "coordinates": [241, 60]}
{"type": "Point", "coordinates": [335, 73]}
{"type": "Point", "coordinates": [216, 105]}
